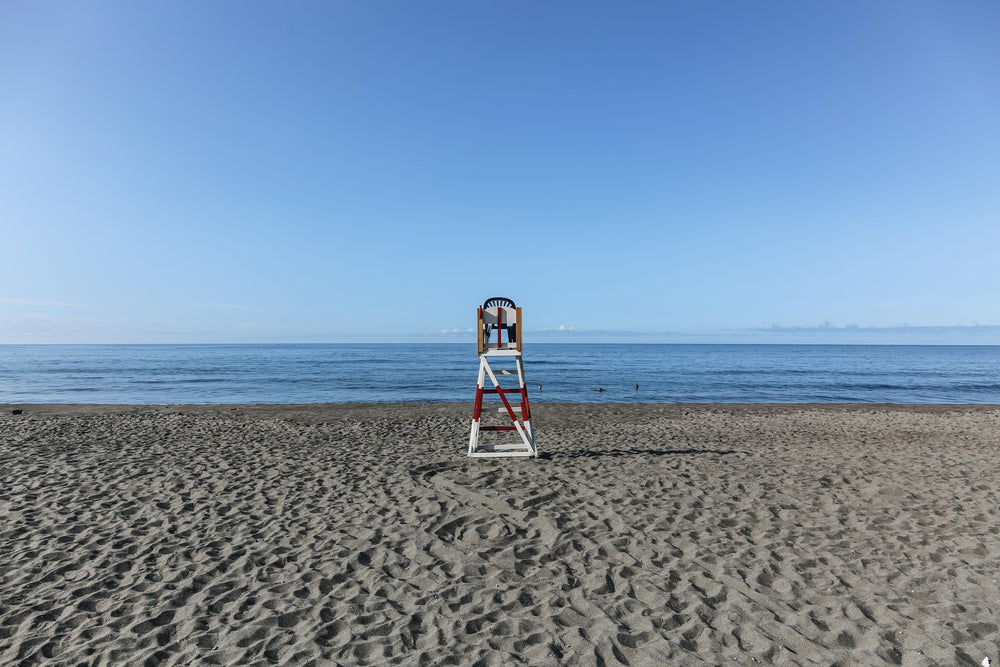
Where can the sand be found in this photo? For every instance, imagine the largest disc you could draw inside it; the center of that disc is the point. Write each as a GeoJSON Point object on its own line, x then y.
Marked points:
{"type": "Point", "coordinates": [361, 534]}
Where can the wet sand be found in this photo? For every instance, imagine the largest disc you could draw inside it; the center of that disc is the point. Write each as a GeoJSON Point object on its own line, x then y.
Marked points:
{"type": "Point", "coordinates": [361, 534]}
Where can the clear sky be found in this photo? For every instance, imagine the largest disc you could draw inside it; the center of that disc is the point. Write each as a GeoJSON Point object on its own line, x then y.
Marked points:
{"type": "Point", "coordinates": [245, 171]}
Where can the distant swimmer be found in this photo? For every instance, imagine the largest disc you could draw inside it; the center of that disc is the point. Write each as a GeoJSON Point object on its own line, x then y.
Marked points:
{"type": "Point", "coordinates": [600, 389]}
{"type": "Point", "coordinates": [539, 387]}
{"type": "Point", "coordinates": [637, 386]}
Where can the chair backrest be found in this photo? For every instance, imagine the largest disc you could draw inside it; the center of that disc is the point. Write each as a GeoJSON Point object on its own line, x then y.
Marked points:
{"type": "Point", "coordinates": [494, 315]}
{"type": "Point", "coordinates": [498, 301]}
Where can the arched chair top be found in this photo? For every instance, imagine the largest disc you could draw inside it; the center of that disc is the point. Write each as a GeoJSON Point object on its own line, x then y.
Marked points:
{"type": "Point", "coordinates": [498, 301]}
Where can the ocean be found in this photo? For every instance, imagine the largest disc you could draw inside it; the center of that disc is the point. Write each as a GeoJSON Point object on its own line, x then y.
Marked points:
{"type": "Point", "coordinates": [396, 373]}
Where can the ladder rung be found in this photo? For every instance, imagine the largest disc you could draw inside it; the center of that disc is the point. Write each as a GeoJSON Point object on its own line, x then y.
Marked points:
{"type": "Point", "coordinates": [503, 447]}
{"type": "Point", "coordinates": [497, 428]}
{"type": "Point", "coordinates": [515, 408]}
{"type": "Point", "coordinates": [502, 390]}
{"type": "Point", "coordinates": [512, 449]}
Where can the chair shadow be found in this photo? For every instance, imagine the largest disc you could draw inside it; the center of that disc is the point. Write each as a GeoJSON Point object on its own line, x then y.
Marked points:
{"type": "Point", "coordinates": [591, 453]}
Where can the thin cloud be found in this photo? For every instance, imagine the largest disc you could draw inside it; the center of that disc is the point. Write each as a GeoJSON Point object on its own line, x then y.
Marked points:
{"type": "Point", "coordinates": [42, 302]}
{"type": "Point", "coordinates": [827, 327]}
{"type": "Point", "coordinates": [225, 306]}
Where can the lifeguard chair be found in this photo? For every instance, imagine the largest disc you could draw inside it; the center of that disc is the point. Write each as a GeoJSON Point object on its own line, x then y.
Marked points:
{"type": "Point", "coordinates": [500, 315]}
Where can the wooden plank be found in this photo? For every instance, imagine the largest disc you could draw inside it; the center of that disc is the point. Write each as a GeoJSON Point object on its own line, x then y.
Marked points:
{"type": "Point", "coordinates": [518, 329]}
{"type": "Point", "coordinates": [479, 331]}
{"type": "Point", "coordinates": [504, 447]}
{"type": "Point", "coordinates": [482, 455]}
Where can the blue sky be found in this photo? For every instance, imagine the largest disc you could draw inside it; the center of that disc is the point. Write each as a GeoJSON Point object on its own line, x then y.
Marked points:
{"type": "Point", "coordinates": [660, 171]}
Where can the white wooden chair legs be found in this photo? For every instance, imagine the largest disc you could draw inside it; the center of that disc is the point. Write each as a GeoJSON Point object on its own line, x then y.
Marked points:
{"type": "Point", "coordinates": [520, 415]}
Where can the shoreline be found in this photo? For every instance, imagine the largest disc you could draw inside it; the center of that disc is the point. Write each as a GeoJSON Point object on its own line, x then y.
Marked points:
{"type": "Point", "coordinates": [96, 408]}
{"type": "Point", "coordinates": [361, 533]}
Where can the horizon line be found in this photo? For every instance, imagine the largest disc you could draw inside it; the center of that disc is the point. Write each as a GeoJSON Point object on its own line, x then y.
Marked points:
{"type": "Point", "coordinates": [472, 343]}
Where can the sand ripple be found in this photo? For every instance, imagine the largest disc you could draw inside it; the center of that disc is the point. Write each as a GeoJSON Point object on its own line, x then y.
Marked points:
{"type": "Point", "coordinates": [362, 535]}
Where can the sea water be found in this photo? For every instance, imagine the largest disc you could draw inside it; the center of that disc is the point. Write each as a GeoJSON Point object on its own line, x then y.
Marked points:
{"type": "Point", "coordinates": [391, 373]}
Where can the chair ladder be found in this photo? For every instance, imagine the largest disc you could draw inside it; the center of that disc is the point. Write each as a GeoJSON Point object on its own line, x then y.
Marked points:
{"type": "Point", "coordinates": [522, 424]}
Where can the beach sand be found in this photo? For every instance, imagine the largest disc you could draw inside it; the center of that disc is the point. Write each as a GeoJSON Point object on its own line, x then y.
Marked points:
{"type": "Point", "coordinates": [362, 534]}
